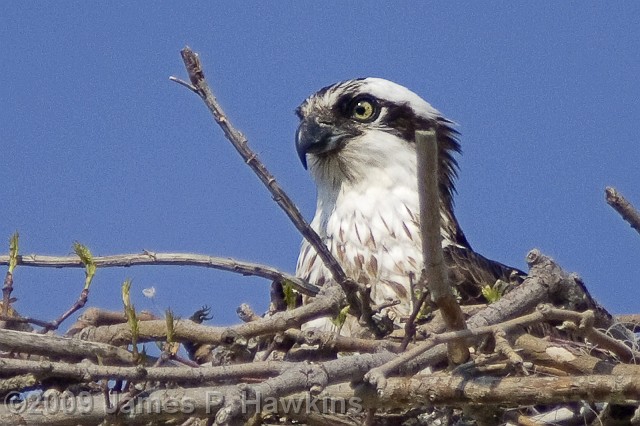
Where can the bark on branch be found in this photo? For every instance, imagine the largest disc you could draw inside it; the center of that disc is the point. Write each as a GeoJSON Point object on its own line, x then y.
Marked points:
{"type": "Point", "coordinates": [624, 207]}
{"type": "Point", "coordinates": [177, 259]}
{"type": "Point", "coordinates": [326, 304]}
{"type": "Point", "coordinates": [430, 226]}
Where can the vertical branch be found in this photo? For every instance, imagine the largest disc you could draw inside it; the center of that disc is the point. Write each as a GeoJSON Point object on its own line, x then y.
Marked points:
{"type": "Point", "coordinates": [132, 318]}
{"type": "Point", "coordinates": [435, 268]}
{"type": "Point", "coordinates": [7, 288]}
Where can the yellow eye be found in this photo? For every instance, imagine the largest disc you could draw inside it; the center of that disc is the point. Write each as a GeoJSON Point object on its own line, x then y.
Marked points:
{"type": "Point", "coordinates": [364, 109]}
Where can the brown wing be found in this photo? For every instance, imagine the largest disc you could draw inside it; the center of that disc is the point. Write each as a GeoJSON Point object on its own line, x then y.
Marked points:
{"type": "Point", "coordinates": [470, 271]}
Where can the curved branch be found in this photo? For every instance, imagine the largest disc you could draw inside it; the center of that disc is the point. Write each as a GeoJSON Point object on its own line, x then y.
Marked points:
{"type": "Point", "coordinates": [178, 259]}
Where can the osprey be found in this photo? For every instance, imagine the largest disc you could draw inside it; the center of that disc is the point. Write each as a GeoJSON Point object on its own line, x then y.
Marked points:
{"type": "Point", "coordinates": [357, 139]}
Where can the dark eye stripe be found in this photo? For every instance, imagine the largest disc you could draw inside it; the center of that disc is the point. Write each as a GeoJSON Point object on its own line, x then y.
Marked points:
{"type": "Point", "coordinates": [346, 104]}
{"type": "Point", "coordinates": [402, 119]}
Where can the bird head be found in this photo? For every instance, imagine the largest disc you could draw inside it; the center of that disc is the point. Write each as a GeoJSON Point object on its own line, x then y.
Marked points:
{"type": "Point", "coordinates": [364, 129]}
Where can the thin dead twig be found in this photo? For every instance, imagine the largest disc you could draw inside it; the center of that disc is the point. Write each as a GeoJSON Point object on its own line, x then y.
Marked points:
{"type": "Point", "coordinates": [410, 326]}
{"type": "Point", "coordinates": [77, 305]}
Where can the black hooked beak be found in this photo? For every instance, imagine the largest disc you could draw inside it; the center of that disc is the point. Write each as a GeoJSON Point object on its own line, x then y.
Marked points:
{"type": "Point", "coordinates": [315, 138]}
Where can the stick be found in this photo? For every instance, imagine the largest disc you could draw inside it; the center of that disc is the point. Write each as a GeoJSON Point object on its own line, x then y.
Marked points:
{"type": "Point", "coordinates": [622, 206]}
{"type": "Point", "coordinates": [179, 259]}
{"type": "Point", "coordinates": [436, 271]}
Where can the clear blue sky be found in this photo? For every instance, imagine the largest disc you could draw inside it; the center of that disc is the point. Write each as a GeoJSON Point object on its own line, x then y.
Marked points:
{"type": "Point", "coordinates": [100, 147]}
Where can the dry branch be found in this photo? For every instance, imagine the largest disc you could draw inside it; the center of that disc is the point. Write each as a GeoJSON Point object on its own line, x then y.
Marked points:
{"type": "Point", "coordinates": [430, 226]}
{"type": "Point", "coordinates": [544, 279]}
{"type": "Point", "coordinates": [175, 404]}
{"type": "Point", "coordinates": [566, 357]}
{"type": "Point", "coordinates": [87, 371]}
{"type": "Point", "coordinates": [176, 259]}
{"type": "Point", "coordinates": [51, 345]}
{"type": "Point", "coordinates": [188, 331]}
{"type": "Point", "coordinates": [326, 340]}
{"type": "Point", "coordinates": [445, 389]}
{"type": "Point", "coordinates": [624, 207]}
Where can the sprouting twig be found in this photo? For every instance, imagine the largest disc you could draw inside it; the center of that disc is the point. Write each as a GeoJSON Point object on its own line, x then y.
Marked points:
{"type": "Point", "coordinates": [436, 271]}
{"type": "Point", "coordinates": [178, 259]}
{"type": "Point", "coordinates": [624, 207]}
{"type": "Point", "coordinates": [132, 319]}
{"type": "Point", "coordinates": [77, 305]}
{"type": "Point", "coordinates": [188, 331]}
{"type": "Point", "coordinates": [196, 75]}
{"type": "Point", "coordinates": [90, 270]}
